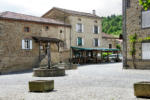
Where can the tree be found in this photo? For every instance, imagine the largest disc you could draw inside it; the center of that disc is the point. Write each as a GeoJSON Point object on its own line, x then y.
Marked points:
{"type": "Point", "coordinates": [145, 4]}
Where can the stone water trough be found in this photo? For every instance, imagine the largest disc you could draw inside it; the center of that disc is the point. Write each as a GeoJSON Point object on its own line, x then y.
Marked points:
{"type": "Point", "coordinates": [142, 89]}
{"type": "Point", "coordinates": [52, 72]}
{"type": "Point", "coordinates": [41, 85]}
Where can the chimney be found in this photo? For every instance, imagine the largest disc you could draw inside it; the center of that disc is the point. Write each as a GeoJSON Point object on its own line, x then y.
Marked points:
{"type": "Point", "coordinates": [94, 12]}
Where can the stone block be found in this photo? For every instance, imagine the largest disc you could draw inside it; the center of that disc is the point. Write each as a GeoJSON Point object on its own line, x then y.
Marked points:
{"type": "Point", "coordinates": [53, 72]}
{"type": "Point", "coordinates": [41, 85]}
{"type": "Point", "coordinates": [142, 89]}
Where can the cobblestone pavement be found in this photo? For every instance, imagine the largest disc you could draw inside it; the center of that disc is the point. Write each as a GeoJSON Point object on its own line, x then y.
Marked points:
{"type": "Point", "coordinates": [89, 82]}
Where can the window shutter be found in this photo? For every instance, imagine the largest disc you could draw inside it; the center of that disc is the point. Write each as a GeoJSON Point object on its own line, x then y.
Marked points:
{"type": "Point", "coordinates": [23, 44]}
{"type": "Point", "coordinates": [98, 42]}
{"type": "Point", "coordinates": [77, 41]}
{"type": "Point", "coordinates": [98, 29]}
{"type": "Point", "coordinates": [82, 28]}
{"type": "Point", "coordinates": [76, 27]}
{"type": "Point", "coordinates": [30, 44]}
{"type": "Point", "coordinates": [93, 42]}
{"type": "Point", "coordinates": [93, 29]}
{"type": "Point", "coordinates": [82, 42]}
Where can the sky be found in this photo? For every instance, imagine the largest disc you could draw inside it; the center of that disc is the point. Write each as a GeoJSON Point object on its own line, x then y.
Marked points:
{"type": "Point", "coordinates": [39, 7]}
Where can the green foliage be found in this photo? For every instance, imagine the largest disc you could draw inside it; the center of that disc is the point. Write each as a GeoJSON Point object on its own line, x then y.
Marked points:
{"type": "Point", "coordinates": [105, 54]}
{"type": "Point", "coordinates": [145, 4]}
{"type": "Point", "coordinates": [144, 39]}
{"type": "Point", "coordinates": [133, 39]}
{"type": "Point", "coordinates": [118, 46]}
{"type": "Point", "coordinates": [112, 25]}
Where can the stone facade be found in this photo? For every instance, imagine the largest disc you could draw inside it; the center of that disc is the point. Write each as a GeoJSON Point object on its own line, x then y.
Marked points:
{"type": "Point", "coordinates": [13, 57]}
{"type": "Point", "coordinates": [73, 19]}
{"type": "Point", "coordinates": [132, 19]}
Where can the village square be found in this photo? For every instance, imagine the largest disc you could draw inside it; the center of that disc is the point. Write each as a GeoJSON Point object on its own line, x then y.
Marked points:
{"type": "Point", "coordinates": [72, 55]}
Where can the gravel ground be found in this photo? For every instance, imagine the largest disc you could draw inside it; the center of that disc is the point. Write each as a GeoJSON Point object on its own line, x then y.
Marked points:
{"type": "Point", "coordinates": [89, 82]}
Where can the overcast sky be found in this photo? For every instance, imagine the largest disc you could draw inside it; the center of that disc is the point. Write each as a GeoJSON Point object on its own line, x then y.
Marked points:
{"type": "Point", "coordinates": [39, 7]}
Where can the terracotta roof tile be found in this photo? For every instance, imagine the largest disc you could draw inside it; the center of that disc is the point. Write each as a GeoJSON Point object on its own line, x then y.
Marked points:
{"type": "Point", "coordinates": [74, 12]}
{"type": "Point", "coordinates": [104, 35]}
{"type": "Point", "coordinates": [17, 16]}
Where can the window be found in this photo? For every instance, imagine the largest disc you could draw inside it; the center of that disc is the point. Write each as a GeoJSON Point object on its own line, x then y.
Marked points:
{"type": "Point", "coordinates": [79, 27]}
{"type": "Point", "coordinates": [145, 19]}
{"type": "Point", "coordinates": [110, 46]}
{"type": "Point", "coordinates": [26, 29]}
{"type": "Point", "coordinates": [96, 42]}
{"type": "Point", "coordinates": [79, 19]}
{"type": "Point", "coordinates": [96, 29]}
{"type": "Point", "coordinates": [127, 3]}
{"type": "Point", "coordinates": [80, 41]}
{"type": "Point", "coordinates": [46, 28]}
{"type": "Point", "coordinates": [95, 21]}
{"type": "Point", "coordinates": [145, 50]}
{"type": "Point", "coordinates": [27, 44]}
{"type": "Point", "coordinates": [61, 31]}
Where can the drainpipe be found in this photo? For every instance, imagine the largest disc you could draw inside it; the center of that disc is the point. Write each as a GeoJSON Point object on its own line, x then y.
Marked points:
{"type": "Point", "coordinates": [124, 35]}
{"type": "Point", "coordinates": [70, 48]}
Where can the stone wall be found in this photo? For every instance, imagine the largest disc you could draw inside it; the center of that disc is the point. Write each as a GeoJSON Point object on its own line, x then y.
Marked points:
{"type": "Point", "coordinates": [13, 57]}
{"type": "Point", "coordinates": [88, 34]}
{"type": "Point", "coordinates": [107, 41]}
{"type": "Point", "coordinates": [133, 25]}
{"type": "Point", "coordinates": [88, 23]}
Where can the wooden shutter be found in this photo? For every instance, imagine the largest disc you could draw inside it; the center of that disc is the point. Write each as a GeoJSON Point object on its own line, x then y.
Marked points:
{"type": "Point", "coordinates": [93, 29]}
{"type": "Point", "coordinates": [82, 28]}
{"type": "Point", "coordinates": [82, 42]}
{"type": "Point", "coordinates": [30, 44]}
{"type": "Point", "coordinates": [77, 41]}
{"type": "Point", "coordinates": [23, 44]}
{"type": "Point", "coordinates": [98, 42]}
{"type": "Point", "coordinates": [98, 29]}
{"type": "Point", "coordinates": [77, 28]}
{"type": "Point", "coordinates": [145, 50]}
{"type": "Point", "coordinates": [93, 42]}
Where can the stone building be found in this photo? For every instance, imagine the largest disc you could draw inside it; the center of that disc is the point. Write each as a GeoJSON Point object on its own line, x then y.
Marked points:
{"type": "Point", "coordinates": [85, 27]}
{"type": "Point", "coordinates": [109, 41]}
{"type": "Point", "coordinates": [136, 21]}
{"type": "Point", "coordinates": [19, 49]}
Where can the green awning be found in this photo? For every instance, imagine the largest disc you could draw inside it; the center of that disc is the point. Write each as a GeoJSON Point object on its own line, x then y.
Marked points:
{"type": "Point", "coordinates": [97, 49]}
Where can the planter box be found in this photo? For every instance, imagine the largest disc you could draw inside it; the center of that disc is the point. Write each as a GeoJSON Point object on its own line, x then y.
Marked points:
{"type": "Point", "coordinates": [142, 89]}
{"type": "Point", "coordinates": [41, 85]}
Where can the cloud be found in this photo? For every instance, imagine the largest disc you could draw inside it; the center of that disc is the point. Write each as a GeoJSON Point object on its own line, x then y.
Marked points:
{"type": "Point", "coordinates": [39, 7]}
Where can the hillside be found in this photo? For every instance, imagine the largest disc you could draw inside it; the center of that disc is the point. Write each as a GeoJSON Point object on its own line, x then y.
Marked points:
{"type": "Point", "coordinates": [112, 25]}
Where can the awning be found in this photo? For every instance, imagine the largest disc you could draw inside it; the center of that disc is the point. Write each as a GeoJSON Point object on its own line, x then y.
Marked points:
{"type": "Point", "coordinates": [96, 49]}
{"type": "Point", "coordinates": [46, 39]}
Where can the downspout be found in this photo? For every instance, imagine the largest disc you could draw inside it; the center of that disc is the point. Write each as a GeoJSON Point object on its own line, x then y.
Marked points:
{"type": "Point", "coordinates": [124, 35]}
{"type": "Point", "coordinates": [70, 48]}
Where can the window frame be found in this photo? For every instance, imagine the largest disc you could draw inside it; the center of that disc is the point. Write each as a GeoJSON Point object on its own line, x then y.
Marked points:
{"type": "Point", "coordinates": [27, 44]}
{"type": "Point", "coordinates": [128, 3]}
{"type": "Point", "coordinates": [26, 29]}
{"type": "Point", "coordinates": [78, 44]}
{"type": "Point", "coordinates": [96, 40]}
{"type": "Point", "coordinates": [147, 27]}
{"type": "Point", "coordinates": [110, 46]}
{"type": "Point", "coordinates": [95, 30]}
{"type": "Point", "coordinates": [79, 27]}
{"type": "Point", "coordinates": [142, 50]}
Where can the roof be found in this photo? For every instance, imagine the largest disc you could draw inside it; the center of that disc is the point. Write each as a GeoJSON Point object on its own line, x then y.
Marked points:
{"type": "Point", "coordinates": [98, 49]}
{"type": "Point", "coordinates": [109, 36]}
{"type": "Point", "coordinates": [46, 39]}
{"type": "Point", "coordinates": [23, 17]}
{"type": "Point", "coordinates": [73, 12]}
